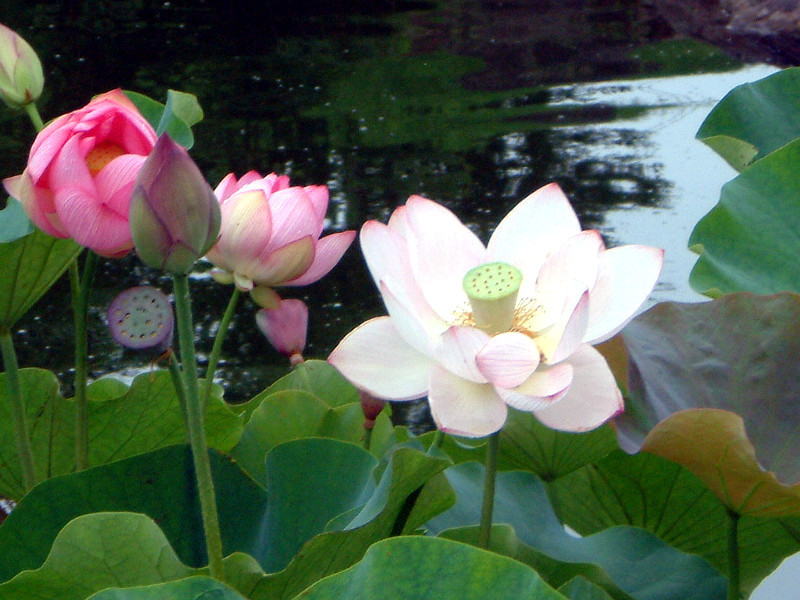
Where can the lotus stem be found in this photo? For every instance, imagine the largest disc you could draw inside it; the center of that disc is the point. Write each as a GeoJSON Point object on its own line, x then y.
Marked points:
{"type": "Point", "coordinates": [490, 477]}
{"type": "Point", "coordinates": [34, 116]}
{"type": "Point", "coordinates": [195, 426]}
{"type": "Point", "coordinates": [81, 290]}
{"type": "Point", "coordinates": [219, 338]}
{"type": "Point", "coordinates": [17, 409]}
{"type": "Point", "coordinates": [734, 592]}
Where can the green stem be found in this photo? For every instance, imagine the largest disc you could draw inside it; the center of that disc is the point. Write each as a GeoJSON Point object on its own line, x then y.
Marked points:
{"type": "Point", "coordinates": [177, 382]}
{"type": "Point", "coordinates": [734, 592]}
{"type": "Point", "coordinates": [366, 441]}
{"type": "Point", "coordinates": [34, 116]}
{"type": "Point", "coordinates": [216, 349]}
{"type": "Point", "coordinates": [490, 476]}
{"type": "Point", "coordinates": [17, 407]}
{"type": "Point", "coordinates": [81, 290]}
{"type": "Point", "coordinates": [195, 426]}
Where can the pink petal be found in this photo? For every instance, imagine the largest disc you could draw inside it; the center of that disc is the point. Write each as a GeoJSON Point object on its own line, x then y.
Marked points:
{"type": "Point", "coordinates": [293, 217]}
{"type": "Point", "coordinates": [114, 183]}
{"type": "Point", "coordinates": [442, 250]}
{"type": "Point", "coordinates": [533, 228]}
{"type": "Point", "coordinates": [91, 223]}
{"type": "Point", "coordinates": [226, 187]}
{"type": "Point", "coordinates": [576, 259]}
{"type": "Point", "coordinates": [37, 203]}
{"type": "Point", "coordinates": [245, 228]}
{"type": "Point", "coordinates": [413, 324]}
{"type": "Point", "coordinates": [545, 386]}
{"type": "Point", "coordinates": [508, 359]}
{"type": "Point", "coordinates": [627, 276]}
{"type": "Point", "coordinates": [562, 338]}
{"type": "Point", "coordinates": [281, 265]}
{"type": "Point", "coordinates": [318, 194]}
{"type": "Point", "coordinates": [328, 252]}
{"type": "Point", "coordinates": [462, 407]}
{"type": "Point", "coordinates": [457, 349]}
{"type": "Point", "coordinates": [386, 254]}
{"type": "Point", "coordinates": [592, 399]}
{"type": "Point", "coordinates": [375, 358]}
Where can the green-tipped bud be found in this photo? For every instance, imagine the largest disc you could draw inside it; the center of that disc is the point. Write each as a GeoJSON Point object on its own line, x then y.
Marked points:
{"type": "Point", "coordinates": [174, 214]}
{"type": "Point", "coordinates": [492, 290]}
{"type": "Point", "coordinates": [21, 76]}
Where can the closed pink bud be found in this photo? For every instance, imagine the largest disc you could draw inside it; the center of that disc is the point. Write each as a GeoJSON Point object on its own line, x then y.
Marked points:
{"type": "Point", "coordinates": [286, 327]}
{"type": "Point", "coordinates": [174, 214]}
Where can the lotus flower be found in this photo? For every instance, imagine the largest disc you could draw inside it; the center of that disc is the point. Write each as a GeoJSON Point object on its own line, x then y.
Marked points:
{"type": "Point", "coordinates": [479, 328]}
{"type": "Point", "coordinates": [80, 174]}
{"type": "Point", "coordinates": [270, 235]}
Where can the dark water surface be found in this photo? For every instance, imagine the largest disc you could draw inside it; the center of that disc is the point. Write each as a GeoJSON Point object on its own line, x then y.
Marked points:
{"type": "Point", "coordinates": [472, 103]}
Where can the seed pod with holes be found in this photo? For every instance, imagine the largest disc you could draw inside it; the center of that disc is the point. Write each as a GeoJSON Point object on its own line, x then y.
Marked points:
{"type": "Point", "coordinates": [141, 318]}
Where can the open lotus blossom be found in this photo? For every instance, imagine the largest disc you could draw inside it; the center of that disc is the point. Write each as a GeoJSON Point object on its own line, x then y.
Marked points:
{"type": "Point", "coordinates": [270, 235]}
{"type": "Point", "coordinates": [81, 170]}
{"type": "Point", "coordinates": [479, 328]}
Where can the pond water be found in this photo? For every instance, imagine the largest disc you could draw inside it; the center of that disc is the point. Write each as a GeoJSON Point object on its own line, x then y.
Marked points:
{"type": "Point", "coordinates": [474, 104]}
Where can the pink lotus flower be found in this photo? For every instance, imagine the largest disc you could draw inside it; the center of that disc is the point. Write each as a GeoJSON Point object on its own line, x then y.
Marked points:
{"type": "Point", "coordinates": [80, 174]}
{"type": "Point", "coordinates": [270, 235]}
{"type": "Point", "coordinates": [478, 329]}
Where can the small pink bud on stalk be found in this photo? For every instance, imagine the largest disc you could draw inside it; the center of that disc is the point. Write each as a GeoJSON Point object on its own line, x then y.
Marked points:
{"type": "Point", "coordinates": [286, 328]}
{"type": "Point", "coordinates": [371, 406]}
{"type": "Point", "coordinates": [21, 76]}
{"type": "Point", "coordinates": [174, 214]}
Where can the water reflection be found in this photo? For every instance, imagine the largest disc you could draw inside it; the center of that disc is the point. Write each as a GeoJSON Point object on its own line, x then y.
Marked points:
{"type": "Point", "coordinates": [468, 103]}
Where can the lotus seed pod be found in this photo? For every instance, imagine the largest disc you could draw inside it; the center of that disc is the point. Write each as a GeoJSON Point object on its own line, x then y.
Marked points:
{"type": "Point", "coordinates": [492, 289]}
{"type": "Point", "coordinates": [141, 318]}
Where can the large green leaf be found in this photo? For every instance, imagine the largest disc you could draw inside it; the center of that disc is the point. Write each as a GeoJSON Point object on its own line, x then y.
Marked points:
{"type": "Point", "coordinates": [749, 241]}
{"type": "Point", "coordinates": [190, 588]}
{"type": "Point", "coordinates": [293, 414]}
{"type": "Point", "coordinates": [313, 376]}
{"type": "Point", "coordinates": [620, 560]}
{"type": "Point", "coordinates": [664, 498]}
{"type": "Point", "coordinates": [755, 119]}
{"type": "Point", "coordinates": [580, 588]}
{"type": "Point", "coordinates": [160, 484]}
{"type": "Point", "coordinates": [409, 568]}
{"type": "Point", "coordinates": [146, 417]}
{"type": "Point", "coordinates": [740, 354]}
{"type": "Point", "coordinates": [310, 482]}
{"type": "Point", "coordinates": [97, 551]}
{"type": "Point", "coordinates": [30, 266]}
{"type": "Point", "coordinates": [386, 513]}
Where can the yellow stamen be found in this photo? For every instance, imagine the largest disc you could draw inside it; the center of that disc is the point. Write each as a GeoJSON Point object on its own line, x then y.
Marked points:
{"type": "Point", "coordinates": [101, 155]}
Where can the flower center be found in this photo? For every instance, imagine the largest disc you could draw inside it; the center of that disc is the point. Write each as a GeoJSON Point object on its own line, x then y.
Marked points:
{"type": "Point", "coordinates": [101, 155]}
{"type": "Point", "coordinates": [492, 290]}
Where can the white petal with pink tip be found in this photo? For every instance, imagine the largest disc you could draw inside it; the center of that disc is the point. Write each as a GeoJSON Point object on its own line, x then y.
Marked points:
{"type": "Point", "coordinates": [462, 407]}
{"type": "Point", "coordinates": [508, 359]}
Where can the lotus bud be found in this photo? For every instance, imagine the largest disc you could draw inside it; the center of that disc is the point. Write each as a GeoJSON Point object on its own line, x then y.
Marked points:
{"type": "Point", "coordinates": [371, 406]}
{"type": "Point", "coordinates": [21, 77]}
{"type": "Point", "coordinates": [141, 318]}
{"type": "Point", "coordinates": [286, 327]}
{"type": "Point", "coordinates": [174, 214]}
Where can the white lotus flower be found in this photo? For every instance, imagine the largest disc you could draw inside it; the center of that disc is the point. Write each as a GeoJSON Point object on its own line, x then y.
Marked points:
{"type": "Point", "coordinates": [536, 297]}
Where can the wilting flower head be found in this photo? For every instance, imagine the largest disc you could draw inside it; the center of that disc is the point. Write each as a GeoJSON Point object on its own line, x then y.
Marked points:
{"type": "Point", "coordinates": [80, 174]}
{"type": "Point", "coordinates": [174, 214]}
{"type": "Point", "coordinates": [286, 327]}
{"type": "Point", "coordinates": [480, 328]}
{"type": "Point", "coordinates": [270, 235]}
{"type": "Point", "coordinates": [21, 76]}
